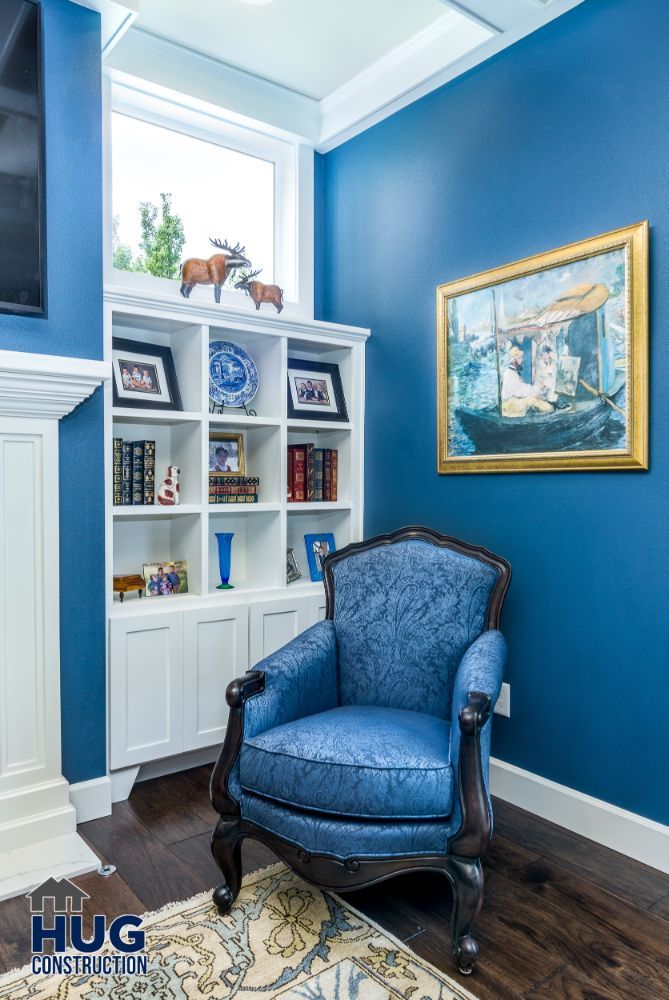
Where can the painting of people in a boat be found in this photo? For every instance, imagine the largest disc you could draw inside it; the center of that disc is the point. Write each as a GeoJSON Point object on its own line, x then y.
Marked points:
{"type": "Point", "coordinates": [543, 363]}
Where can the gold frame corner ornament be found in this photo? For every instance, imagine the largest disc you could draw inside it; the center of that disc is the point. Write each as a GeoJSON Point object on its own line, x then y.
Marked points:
{"type": "Point", "coordinates": [634, 240]}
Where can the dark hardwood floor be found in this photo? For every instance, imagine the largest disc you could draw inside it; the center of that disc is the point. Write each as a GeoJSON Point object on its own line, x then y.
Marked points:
{"type": "Point", "coordinates": [562, 918]}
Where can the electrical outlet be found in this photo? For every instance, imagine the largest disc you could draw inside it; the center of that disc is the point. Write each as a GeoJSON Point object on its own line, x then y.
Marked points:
{"type": "Point", "coordinates": [503, 706]}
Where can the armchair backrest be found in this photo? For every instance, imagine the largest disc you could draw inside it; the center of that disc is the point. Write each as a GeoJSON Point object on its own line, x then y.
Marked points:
{"type": "Point", "coordinates": [405, 608]}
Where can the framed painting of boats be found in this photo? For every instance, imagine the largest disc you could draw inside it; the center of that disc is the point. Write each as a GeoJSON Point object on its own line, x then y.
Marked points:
{"type": "Point", "coordinates": [543, 364]}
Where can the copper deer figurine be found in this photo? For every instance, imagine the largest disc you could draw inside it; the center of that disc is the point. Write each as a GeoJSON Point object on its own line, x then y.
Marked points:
{"type": "Point", "coordinates": [197, 271]}
{"type": "Point", "coordinates": [260, 293]}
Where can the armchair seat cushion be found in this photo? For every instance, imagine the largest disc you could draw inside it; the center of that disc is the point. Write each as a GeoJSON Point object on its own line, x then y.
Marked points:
{"type": "Point", "coordinates": [364, 762]}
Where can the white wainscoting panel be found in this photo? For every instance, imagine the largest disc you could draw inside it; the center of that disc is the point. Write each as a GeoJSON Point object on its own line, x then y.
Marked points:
{"type": "Point", "coordinates": [37, 820]}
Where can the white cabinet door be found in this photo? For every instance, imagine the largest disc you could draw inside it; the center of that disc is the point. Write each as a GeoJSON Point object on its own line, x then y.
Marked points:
{"type": "Point", "coordinates": [215, 652]}
{"type": "Point", "coordinates": [317, 609]}
{"type": "Point", "coordinates": [146, 685]}
{"type": "Point", "coordinates": [274, 623]}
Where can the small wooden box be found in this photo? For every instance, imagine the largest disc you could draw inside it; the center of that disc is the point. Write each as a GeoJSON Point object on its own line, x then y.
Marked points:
{"type": "Point", "coordinates": [125, 584]}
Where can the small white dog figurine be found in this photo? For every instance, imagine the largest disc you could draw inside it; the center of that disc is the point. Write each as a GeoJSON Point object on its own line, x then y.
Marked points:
{"type": "Point", "coordinates": [168, 492]}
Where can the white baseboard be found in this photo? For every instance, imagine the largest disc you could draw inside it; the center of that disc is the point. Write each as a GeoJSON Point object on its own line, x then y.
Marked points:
{"type": "Point", "coordinates": [91, 799]}
{"type": "Point", "coordinates": [181, 762]}
{"type": "Point", "coordinates": [626, 832]}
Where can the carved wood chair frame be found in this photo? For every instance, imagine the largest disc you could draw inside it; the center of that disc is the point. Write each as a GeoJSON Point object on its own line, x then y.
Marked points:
{"type": "Point", "coordinates": [460, 861]}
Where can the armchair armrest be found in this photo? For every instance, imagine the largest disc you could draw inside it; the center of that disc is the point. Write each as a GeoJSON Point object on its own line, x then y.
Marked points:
{"type": "Point", "coordinates": [297, 680]}
{"type": "Point", "coordinates": [477, 686]}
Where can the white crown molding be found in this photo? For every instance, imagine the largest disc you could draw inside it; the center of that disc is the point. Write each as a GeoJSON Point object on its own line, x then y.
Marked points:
{"type": "Point", "coordinates": [399, 72]}
{"type": "Point", "coordinates": [176, 307]}
{"type": "Point", "coordinates": [455, 43]}
{"type": "Point", "coordinates": [116, 16]}
{"type": "Point", "coordinates": [247, 99]}
{"type": "Point", "coordinates": [43, 385]}
{"type": "Point", "coordinates": [355, 117]}
{"type": "Point", "coordinates": [628, 833]}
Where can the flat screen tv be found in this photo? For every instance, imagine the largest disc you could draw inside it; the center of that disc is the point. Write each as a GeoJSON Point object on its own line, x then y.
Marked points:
{"type": "Point", "coordinates": [21, 159]}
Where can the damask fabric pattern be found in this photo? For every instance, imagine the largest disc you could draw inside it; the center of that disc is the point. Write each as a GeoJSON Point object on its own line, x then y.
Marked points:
{"type": "Point", "coordinates": [300, 679]}
{"type": "Point", "coordinates": [404, 615]}
{"type": "Point", "coordinates": [481, 669]}
{"type": "Point", "coordinates": [282, 938]}
{"type": "Point", "coordinates": [359, 761]}
{"type": "Point", "coordinates": [348, 838]}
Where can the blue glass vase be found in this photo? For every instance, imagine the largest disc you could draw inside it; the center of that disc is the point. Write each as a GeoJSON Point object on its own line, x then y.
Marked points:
{"type": "Point", "coordinates": [224, 546]}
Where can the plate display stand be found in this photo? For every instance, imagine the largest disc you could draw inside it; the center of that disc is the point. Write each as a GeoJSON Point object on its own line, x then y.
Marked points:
{"type": "Point", "coordinates": [170, 658]}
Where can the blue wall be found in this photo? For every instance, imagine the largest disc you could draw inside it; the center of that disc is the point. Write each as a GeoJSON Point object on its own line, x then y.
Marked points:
{"type": "Point", "coordinates": [73, 326]}
{"type": "Point", "coordinates": [563, 136]}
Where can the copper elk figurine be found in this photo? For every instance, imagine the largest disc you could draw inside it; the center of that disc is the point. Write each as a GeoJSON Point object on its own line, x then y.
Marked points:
{"type": "Point", "coordinates": [197, 271]}
{"type": "Point", "coordinates": [260, 293]}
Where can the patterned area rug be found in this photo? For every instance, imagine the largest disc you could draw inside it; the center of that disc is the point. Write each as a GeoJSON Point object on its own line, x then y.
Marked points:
{"type": "Point", "coordinates": [283, 938]}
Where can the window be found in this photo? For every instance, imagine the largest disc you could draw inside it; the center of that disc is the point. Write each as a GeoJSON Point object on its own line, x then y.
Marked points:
{"type": "Point", "coordinates": [215, 176]}
{"type": "Point", "coordinates": [212, 190]}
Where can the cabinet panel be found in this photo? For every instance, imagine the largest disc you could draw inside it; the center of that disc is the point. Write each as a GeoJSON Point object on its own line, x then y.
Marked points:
{"type": "Point", "coordinates": [274, 623]}
{"type": "Point", "coordinates": [318, 608]}
{"type": "Point", "coordinates": [215, 652]}
{"type": "Point", "coordinates": [145, 685]}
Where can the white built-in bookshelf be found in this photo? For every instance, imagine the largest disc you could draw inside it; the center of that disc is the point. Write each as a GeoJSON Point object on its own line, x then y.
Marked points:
{"type": "Point", "coordinates": [262, 531]}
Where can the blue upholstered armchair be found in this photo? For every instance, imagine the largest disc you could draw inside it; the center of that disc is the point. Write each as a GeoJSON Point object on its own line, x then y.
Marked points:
{"type": "Point", "coordinates": [360, 750]}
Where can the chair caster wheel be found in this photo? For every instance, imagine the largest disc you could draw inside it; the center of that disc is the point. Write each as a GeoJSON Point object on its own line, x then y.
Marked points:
{"type": "Point", "coordinates": [466, 953]}
{"type": "Point", "coordinates": [223, 899]}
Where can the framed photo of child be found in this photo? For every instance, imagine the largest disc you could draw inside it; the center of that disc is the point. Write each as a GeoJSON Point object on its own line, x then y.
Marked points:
{"type": "Point", "coordinates": [226, 454]}
{"type": "Point", "coordinates": [318, 548]}
{"type": "Point", "coordinates": [144, 376]}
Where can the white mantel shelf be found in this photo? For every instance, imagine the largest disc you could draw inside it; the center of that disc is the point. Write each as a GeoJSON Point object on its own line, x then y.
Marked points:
{"type": "Point", "coordinates": [46, 386]}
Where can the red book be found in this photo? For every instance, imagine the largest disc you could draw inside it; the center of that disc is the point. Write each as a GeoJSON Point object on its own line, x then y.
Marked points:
{"type": "Point", "coordinates": [310, 472]}
{"type": "Point", "coordinates": [327, 474]}
{"type": "Point", "coordinates": [290, 475]}
{"type": "Point", "coordinates": [299, 472]}
{"type": "Point", "coordinates": [335, 469]}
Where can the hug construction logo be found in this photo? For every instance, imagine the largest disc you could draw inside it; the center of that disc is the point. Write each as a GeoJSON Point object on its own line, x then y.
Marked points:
{"type": "Point", "coordinates": [72, 953]}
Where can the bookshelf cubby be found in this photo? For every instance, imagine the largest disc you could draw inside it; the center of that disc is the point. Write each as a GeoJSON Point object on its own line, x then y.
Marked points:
{"type": "Point", "coordinates": [263, 610]}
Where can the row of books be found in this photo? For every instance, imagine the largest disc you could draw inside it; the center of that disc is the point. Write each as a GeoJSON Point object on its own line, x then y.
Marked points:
{"type": "Point", "coordinates": [312, 474]}
{"type": "Point", "coordinates": [134, 472]}
{"type": "Point", "coordinates": [233, 489]}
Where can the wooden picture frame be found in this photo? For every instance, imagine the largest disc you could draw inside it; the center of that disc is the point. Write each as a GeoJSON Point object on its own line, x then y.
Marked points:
{"type": "Point", "coordinates": [235, 453]}
{"type": "Point", "coordinates": [156, 386]}
{"type": "Point", "coordinates": [543, 364]}
{"type": "Point", "coordinates": [322, 382]}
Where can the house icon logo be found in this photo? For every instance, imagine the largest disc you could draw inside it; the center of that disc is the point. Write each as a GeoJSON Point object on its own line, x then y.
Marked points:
{"type": "Point", "coordinates": [102, 948]}
{"type": "Point", "coordinates": [65, 895]}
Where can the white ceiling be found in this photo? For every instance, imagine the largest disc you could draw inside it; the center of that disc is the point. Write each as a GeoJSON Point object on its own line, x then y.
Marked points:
{"type": "Point", "coordinates": [323, 70]}
{"type": "Point", "coordinates": [309, 46]}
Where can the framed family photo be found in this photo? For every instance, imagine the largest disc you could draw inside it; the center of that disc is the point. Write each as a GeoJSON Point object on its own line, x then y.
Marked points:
{"type": "Point", "coordinates": [315, 391]}
{"type": "Point", "coordinates": [226, 454]}
{"type": "Point", "coordinates": [543, 364]}
{"type": "Point", "coordinates": [144, 376]}
{"type": "Point", "coordinates": [165, 579]}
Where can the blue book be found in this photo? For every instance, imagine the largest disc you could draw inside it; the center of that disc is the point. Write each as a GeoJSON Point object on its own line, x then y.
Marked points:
{"type": "Point", "coordinates": [126, 474]}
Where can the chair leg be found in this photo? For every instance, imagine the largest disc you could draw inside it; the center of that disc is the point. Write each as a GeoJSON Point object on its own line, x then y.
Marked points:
{"type": "Point", "coordinates": [226, 846]}
{"type": "Point", "coordinates": [466, 878]}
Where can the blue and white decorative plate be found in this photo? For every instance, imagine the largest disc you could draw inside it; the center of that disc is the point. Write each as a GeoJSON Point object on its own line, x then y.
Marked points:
{"type": "Point", "coordinates": [233, 376]}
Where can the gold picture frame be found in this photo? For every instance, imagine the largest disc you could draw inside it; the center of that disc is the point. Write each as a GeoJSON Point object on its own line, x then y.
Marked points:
{"type": "Point", "coordinates": [555, 354]}
{"type": "Point", "coordinates": [235, 453]}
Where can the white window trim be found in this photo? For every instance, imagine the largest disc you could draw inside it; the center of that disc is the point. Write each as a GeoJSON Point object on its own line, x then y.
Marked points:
{"type": "Point", "coordinates": [293, 182]}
